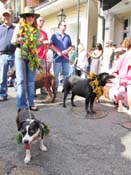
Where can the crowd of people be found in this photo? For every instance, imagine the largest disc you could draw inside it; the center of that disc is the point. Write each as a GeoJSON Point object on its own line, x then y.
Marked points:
{"type": "Point", "coordinates": [27, 47]}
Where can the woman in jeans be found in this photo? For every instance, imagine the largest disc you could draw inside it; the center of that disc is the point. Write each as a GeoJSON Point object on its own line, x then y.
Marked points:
{"type": "Point", "coordinates": [26, 38]}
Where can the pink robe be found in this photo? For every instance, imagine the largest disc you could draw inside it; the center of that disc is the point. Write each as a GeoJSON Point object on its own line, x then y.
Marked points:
{"type": "Point", "coordinates": [123, 69]}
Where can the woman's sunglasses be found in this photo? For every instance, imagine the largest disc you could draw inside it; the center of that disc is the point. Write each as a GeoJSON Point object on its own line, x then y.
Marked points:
{"type": "Point", "coordinates": [30, 15]}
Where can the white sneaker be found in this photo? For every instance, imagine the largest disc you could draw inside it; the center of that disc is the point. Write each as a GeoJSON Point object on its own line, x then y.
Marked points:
{"type": "Point", "coordinates": [129, 112]}
{"type": "Point", "coordinates": [123, 109]}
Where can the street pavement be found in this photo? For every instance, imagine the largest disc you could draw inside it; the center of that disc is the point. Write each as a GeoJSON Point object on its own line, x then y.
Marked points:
{"type": "Point", "coordinates": [77, 145]}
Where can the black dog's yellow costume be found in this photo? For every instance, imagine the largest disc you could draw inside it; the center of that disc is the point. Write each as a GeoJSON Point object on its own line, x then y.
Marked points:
{"type": "Point", "coordinates": [98, 90]}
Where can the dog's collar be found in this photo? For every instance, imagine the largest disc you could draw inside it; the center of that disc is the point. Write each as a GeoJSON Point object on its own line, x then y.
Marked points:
{"type": "Point", "coordinates": [29, 120]}
{"type": "Point", "coordinates": [98, 90]}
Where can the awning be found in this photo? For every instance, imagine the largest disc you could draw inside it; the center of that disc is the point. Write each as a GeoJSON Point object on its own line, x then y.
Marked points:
{"type": "Point", "coordinates": [107, 4]}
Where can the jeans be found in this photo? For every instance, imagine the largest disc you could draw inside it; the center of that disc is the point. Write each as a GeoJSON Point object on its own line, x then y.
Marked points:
{"type": "Point", "coordinates": [71, 70]}
{"type": "Point", "coordinates": [57, 67]}
{"type": "Point", "coordinates": [6, 62]}
{"type": "Point", "coordinates": [25, 83]}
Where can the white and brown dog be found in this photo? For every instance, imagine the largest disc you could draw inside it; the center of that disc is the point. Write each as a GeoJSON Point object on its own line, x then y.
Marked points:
{"type": "Point", "coordinates": [31, 130]}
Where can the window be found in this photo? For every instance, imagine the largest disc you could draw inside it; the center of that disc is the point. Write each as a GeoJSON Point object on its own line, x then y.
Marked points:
{"type": "Point", "coordinates": [40, 1]}
{"type": "Point", "coordinates": [125, 28]}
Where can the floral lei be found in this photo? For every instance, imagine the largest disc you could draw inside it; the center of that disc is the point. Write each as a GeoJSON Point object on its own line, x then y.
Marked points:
{"type": "Point", "coordinates": [29, 35]}
{"type": "Point", "coordinates": [98, 90]}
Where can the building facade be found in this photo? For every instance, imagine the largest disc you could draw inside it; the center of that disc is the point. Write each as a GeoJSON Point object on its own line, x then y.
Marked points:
{"type": "Point", "coordinates": [81, 19]}
{"type": "Point", "coordinates": [117, 21]}
{"type": "Point", "coordinates": [89, 20]}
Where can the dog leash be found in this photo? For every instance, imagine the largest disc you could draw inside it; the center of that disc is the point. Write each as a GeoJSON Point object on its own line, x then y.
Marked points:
{"type": "Point", "coordinates": [59, 52]}
{"type": "Point", "coordinates": [55, 49]}
{"type": "Point", "coordinates": [82, 70]}
{"type": "Point", "coordinates": [46, 72]}
{"type": "Point", "coordinates": [25, 82]}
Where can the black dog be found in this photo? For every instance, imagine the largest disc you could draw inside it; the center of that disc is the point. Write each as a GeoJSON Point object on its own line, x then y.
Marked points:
{"type": "Point", "coordinates": [31, 130]}
{"type": "Point", "coordinates": [89, 88]}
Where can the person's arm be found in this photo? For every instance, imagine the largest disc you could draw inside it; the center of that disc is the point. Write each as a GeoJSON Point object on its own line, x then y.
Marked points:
{"type": "Point", "coordinates": [96, 56]}
{"type": "Point", "coordinates": [40, 40]}
{"type": "Point", "coordinates": [66, 51]}
{"type": "Point", "coordinates": [14, 39]}
{"type": "Point", "coordinates": [75, 62]}
{"type": "Point", "coordinates": [46, 41]}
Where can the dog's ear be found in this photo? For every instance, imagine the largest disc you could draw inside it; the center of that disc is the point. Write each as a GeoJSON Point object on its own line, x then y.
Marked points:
{"type": "Point", "coordinates": [19, 124]}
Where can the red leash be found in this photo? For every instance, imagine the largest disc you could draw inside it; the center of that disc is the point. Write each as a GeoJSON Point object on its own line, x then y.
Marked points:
{"type": "Point", "coordinates": [82, 70]}
{"type": "Point", "coordinates": [59, 52]}
{"type": "Point", "coordinates": [46, 81]}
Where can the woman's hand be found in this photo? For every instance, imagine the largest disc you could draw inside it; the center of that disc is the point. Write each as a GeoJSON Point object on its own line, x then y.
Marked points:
{"type": "Point", "coordinates": [40, 40]}
{"type": "Point", "coordinates": [20, 40]}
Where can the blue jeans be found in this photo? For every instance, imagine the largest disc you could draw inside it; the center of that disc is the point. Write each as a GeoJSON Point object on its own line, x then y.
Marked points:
{"type": "Point", "coordinates": [71, 70]}
{"type": "Point", "coordinates": [6, 62]}
{"type": "Point", "coordinates": [25, 83]}
{"type": "Point", "coordinates": [57, 67]}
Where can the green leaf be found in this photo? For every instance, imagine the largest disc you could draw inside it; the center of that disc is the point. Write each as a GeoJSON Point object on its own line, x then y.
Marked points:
{"type": "Point", "coordinates": [46, 130]}
{"type": "Point", "coordinates": [18, 138]}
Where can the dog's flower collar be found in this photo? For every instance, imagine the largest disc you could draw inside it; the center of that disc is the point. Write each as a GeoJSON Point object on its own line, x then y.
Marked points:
{"type": "Point", "coordinates": [98, 90]}
{"type": "Point", "coordinates": [19, 138]}
{"type": "Point", "coordinates": [45, 129]}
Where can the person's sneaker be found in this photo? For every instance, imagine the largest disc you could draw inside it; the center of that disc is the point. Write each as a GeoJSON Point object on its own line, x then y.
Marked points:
{"type": "Point", "coordinates": [34, 108]}
{"type": "Point", "coordinates": [122, 109]}
{"type": "Point", "coordinates": [129, 112]}
{"type": "Point", "coordinates": [3, 99]}
{"type": "Point", "coordinates": [18, 110]}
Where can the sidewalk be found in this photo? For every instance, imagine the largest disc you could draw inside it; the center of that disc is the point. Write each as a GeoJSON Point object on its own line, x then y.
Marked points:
{"type": "Point", "coordinates": [77, 145]}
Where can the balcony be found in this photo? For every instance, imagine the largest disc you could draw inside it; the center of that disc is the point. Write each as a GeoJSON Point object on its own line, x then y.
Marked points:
{"type": "Point", "coordinates": [49, 7]}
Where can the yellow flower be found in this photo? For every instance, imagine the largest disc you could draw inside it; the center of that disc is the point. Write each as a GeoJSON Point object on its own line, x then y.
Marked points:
{"type": "Point", "coordinates": [29, 35]}
{"type": "Point", "coordinates": [95, 85]}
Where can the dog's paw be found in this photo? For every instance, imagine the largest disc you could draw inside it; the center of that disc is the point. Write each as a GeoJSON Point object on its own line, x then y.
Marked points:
{"type": "Point", "coordinates": [88, 112]}
{"type": "Point", "coordinates": [92, 112]}
{"type": "Point", "coordinates": [27, 157]}
{"type": "Point", "coordinates": [27, 160]}
{"type": "Point", "coordinates": [43, 147]}
{"type": "Point", "coordinates": [64, 106]}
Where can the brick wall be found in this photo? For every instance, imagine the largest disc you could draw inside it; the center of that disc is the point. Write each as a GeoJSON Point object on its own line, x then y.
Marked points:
{"type": "Point", "coordinates": [32, 2]}
{"type": "Point", "coordinates": [28, 2]}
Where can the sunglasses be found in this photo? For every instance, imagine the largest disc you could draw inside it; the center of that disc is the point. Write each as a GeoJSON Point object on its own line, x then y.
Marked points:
{"type": "Point", "coordinates": [6, 15]}
{"type": "Point", "coordinates": [64, 25]}
{"type": "Point", "coordinates": [41, 20]}
{"type": "Point", "coordinates": [30, 15]}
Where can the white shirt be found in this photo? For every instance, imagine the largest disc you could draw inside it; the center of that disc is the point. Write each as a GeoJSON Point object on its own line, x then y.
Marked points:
{"type": "Point", "coordinates": [82, 60]}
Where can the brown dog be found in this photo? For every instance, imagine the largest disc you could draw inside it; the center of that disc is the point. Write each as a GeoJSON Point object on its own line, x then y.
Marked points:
{"type": "Point", "coordinates": [41, 80]}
